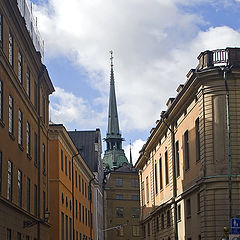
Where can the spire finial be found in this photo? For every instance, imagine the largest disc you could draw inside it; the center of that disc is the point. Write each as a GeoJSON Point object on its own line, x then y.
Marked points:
{"type": "Point", "coordinates": [111, 58]}
{"type": "Point", "coordinates": [131, 153]}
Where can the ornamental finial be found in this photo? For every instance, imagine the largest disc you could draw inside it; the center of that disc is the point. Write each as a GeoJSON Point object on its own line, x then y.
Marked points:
{"type": "Point", "coordinates": [111, 58]}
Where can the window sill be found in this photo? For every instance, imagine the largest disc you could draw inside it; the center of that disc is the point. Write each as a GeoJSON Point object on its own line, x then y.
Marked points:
{"type": "Point", "coordinates": [21, 147]}
{"type": "Point", "coordinates": [11, 136]}
{"type": "Point", "coordinates": [2, 123]}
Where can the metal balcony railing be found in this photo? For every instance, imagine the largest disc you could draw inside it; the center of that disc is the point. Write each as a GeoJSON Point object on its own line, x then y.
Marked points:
{"type": "Point", "coordinates": [25, 8]}
{"type": "Point", "coordinates": [220, 56]}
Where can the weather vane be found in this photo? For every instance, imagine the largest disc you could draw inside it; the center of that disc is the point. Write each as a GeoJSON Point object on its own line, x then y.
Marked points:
{"type": "Point", "coordinates": [111, 58]}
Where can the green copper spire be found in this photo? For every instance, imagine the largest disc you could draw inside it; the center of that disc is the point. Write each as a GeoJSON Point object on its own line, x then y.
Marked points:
{"type": "Point", "coordinates": [114, 155]}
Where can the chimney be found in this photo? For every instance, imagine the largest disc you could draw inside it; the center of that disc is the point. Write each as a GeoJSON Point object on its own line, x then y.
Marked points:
{"type": "Point", "coordinates": [169, 102]}
{"type": "Point", "coordinates": [180, 87]}
{"type": "Point", "coordinates": [205, 59]}
{"type": "Point", "coordinates": [233, 56]}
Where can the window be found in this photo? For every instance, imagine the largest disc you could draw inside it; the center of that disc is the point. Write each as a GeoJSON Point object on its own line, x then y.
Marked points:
{"type": "Point", "coordinates": [161, 176]}
{"type": "Point", "coordinates": [119, 212]}
{"type": "Point", "coordinates": [119, 182]}
{"type": "Point", "coordinates": [82, 186]}
{"type": "Point", "coordinates": [44, 204]}
{"type": "Point", "coordinates": [162, 221]}
{"type": "Point", "coordinates": [85, 189]}
{"type": "Point", "coordinates": [134, 182]}
{"type": "Point", "coordinates": [61, 159]}
{"type": "Point", "coordinates": [188, 208]}
{"type": "Point", "coordinates": [20, 127]}
{"type": "Point", "coordinates": [83, 214]}
{"type": "Point", "coordinates": [135, 212]}
{"type": "Point", "coordinates": [35, 95]}
{"type": "Point", "coordinates": [119, 196]}
{"type": "Point", "coordinates": [1, 30]}
{"type": "Point", "coordinates": [177, 159]}
{"type": "Point", "coordinates": [70, 228]}
{"type": "Point", "coordinates": [156, 179]}
{"type": "Point", "coordinates": [86, 216]}
{"type": "Point", "coordinates": [35, 150]}
{"type": "Point", "coordinates": [20, 67]}
{"type": "Point", "coordinates": [10, 115]}
{"type": "Point", "coordinates": [19, 236]}
{"type": "Point", "coordinates": [198, 203]}
{"type": "Point", "coordinates": [76, 208]}
{"type": "Point", "coordinates": [79, 183]}
{"type": "Point", "coordinates": [44, 158]}
{"type": "Point", "coordinates": [9, 234]}
{"type": "Point", "coordinates": [66, 224]}
{"type": "Point", "coordinates": [186, 150]}
{"type": "Point", "coordinates": [157, 224]}
{"type": "Point", "coordinates": [62, 226]}
{"type": "Point", "coordinates": [28, 82]}
{"type": "Point", "coordinates": [19, 188]}
{"type": "Point", "coordinates": [43, 109]}
{"type": "Point", "coordinates": [168, 218]}
{"type": "Point", "coordinates": [66, 202]}
{"type": "Point", "coordinates": [28, 139]}
{"type": "Point", "coordinates": [1, 100]}
{"type": "Point", "coordinates": [27, 237]}
{"type": "Point", "coordinates": [135, 197]}
{"type": "Point", "coordinates": [0, 172]}
{"type": "Point", "coordinates": [10, 175]}
{"type": "Point", "coordinates": [80, 214]}
{"type": "Point", "coordinates": [66, 165]}
{"type": "Point", "coordinates": [135, 231]}
{"type": "Point", "coordinates": [28, 194]}
{"type": "Point", "coordinates": [10, 45]}
{"type": "Point", "coordinates": [148, 229]}
{"type": "Point", "coordinates": [144, 231]}
{"type": "Point", "coordinates": [143, 194]}
{"type": "Point", "coordinates": [147, 189]}
{"type": "Point", "coordinates": [62, 198]}
{"type": "Point", "coordinates": [35, 200]}
{"type": "Point", "coordinates": [166, 168]}
{"type": "Point", "coordinates": [76, 235]}
{"type": "Point", "coordinates": [179, 212]}
{"type": "Point", "coordinates": [69, 170]}
{"type": "Point", "coordinates": [197, 135]}
{"type": "Point", "coordinates": [76, 179]}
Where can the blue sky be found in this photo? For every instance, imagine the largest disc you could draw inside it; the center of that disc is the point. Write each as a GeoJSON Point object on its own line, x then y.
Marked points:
{"type": "Point", "coordinates": [154, 42]}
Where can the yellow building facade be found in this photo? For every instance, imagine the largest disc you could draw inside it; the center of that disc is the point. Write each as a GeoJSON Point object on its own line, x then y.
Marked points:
{"type": "Point", "coordinates": [189, 166]}
{"type": "Point", "coordinates": [121, 204]}
{"type": "Point", "coordinates": [71, 189]}
{"type": "Point", "coordinates": [25, 87]}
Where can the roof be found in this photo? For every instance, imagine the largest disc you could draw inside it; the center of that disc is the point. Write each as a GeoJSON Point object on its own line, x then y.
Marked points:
{"type": "Point", "coordinates": [85, 142]}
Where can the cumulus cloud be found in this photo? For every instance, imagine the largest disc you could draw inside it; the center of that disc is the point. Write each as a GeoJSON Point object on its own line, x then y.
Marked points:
{"type": "Point", "coordinates": [155, 43]}
{"type": "Point", "coordinates": [68, 109]}
{"type": "Point", "coordinates": [136, 147]}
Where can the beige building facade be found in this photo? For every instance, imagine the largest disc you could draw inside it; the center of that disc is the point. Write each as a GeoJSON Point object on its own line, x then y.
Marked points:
{"type": "Point", "coordinates": [189, 166]}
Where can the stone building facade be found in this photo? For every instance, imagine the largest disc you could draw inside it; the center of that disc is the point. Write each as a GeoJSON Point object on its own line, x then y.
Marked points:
{"type": "Point", "coordinates": [189, 166]}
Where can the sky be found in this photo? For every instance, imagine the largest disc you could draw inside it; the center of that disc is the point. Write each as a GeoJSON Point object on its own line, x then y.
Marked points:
{"type": "Point", "coordinates": [154, 42]}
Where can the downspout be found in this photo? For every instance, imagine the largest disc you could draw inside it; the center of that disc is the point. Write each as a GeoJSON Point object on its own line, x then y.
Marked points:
{"type": "Point", "coordinates": [39, 151]}
{"type": "Point", "coordinates": [226, 70]}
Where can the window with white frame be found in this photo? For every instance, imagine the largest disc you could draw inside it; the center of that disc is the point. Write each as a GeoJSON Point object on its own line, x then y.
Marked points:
{"type": "Point", "coordinates": [10, 49]}
{"type": "Point", "coordinates": [20, 67]}
{"type": "Point", "coordinates": [10, 117]}
{"type": "Point", "coordinates": [20, 127]}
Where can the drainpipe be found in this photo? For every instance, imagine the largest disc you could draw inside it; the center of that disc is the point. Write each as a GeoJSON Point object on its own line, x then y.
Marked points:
{"type": "Point", "coordinates": [39, 152]}
{"type": "Point", "coordinates": [164, 116]}
{"type": "Point", "coordinates": [90, 198]}
{"type": "Point", "coordinates": [226, 70]}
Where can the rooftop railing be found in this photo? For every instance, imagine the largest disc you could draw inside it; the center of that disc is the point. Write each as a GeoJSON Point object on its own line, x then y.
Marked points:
{"type": "Point", "coordinates": [25, 8]}
{"type": "Point", "coordinates": [220, 56]}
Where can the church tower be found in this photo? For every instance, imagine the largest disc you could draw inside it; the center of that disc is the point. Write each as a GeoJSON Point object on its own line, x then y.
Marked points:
{"type": "Point", "coordinates": [114, 155]}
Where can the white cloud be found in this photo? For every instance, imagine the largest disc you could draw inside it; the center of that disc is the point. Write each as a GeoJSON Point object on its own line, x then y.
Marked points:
{"type": "Point", "coordinates": [136, 147]}
{"type": "Point", "coordinates": [155, 43]}
{"type": "Point", "coordinates": [68, 109]}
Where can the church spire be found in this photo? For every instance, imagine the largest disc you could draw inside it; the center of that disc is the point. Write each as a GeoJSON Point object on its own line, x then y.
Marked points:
{"type": "Point", "coordinates": [114, 156]}
{"type": "Point", "coordinates": [113, 124]}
